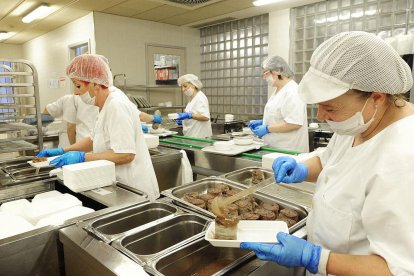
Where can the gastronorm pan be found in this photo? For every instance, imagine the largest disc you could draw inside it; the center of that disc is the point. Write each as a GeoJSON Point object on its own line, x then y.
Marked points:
{"type": "Point", "coordinates": [201, 186]}
{"type": "Point", "coordinates": [244, 176]}
{"type": "Point", "coordinates": [199, 258]}
{"type": "Point", "coordinates": [118, 224]}
{"type": "Point", "coordinates": [162, 237]}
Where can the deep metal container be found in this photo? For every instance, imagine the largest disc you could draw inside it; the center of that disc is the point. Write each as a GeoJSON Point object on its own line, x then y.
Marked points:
{"type": "Point", "coordinates": [198, 258]}
{"type": "Point", "coordinates": [244, 176]}
{"type": "Point", "coordinates": [201, 186]}
{"type": "Point", "coordinates": [119, 224]}
{"type": "Point", "coordinates": [162, 237]}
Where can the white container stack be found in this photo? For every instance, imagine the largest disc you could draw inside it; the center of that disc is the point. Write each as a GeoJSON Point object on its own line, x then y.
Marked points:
{"type": "Point", "coordinates": [152, 141]}
{"type": "Point", "coordinates": [60, 217]}
{"type": "Point", "coordinates": [89, 175]}
{"type": "Point", "coordinates": [15, 207]}
{"type": "Point", "coordinates": [11, 225]}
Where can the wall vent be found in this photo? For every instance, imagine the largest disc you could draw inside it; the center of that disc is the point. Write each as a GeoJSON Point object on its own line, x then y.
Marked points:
{"type": "Point", "coordinates": [214, 22]}
{"type": "Point", "coordinates": [188, 4]}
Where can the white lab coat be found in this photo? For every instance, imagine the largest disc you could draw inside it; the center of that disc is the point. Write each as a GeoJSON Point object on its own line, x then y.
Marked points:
{"type": "Point", "coordinates": [73, 110]}
{"type": "Point", "coordinates": [363, 202]}
{"type": "Point", "coordinates": [286, 105]}
{"type": "Point", "coordinates": [194, 128]}
{"type": "Point", "coordinates": [118, 128]}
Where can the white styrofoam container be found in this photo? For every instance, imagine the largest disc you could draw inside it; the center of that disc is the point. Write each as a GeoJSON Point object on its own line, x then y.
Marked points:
{"type": "Point", "coordinates": [46, 195]}
{"type": "Point", "coordinates": [249, 231]}
{"type": "Point", "coordinates": [48, 206]}
{"type": "Point", "coordinates": [59, 218]}
{"type": "Point", "coordinates": [152, 141]}
{"type": "Point", "coordinates": [89, 175]}
{"type": "Point", "coordinates": [15, 207]}
{"type": "Point", "coordinates": [11, 225]}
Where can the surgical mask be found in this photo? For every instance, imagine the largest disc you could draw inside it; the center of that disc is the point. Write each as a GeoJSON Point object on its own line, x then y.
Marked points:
{"type": "Point", "coordinates": [189, 92]}
{"type": "Point", "coordinates": [86, 98]}
{"type": "Point", "coordinates": [352, 126]}
{"type": "Point", "coordinates": [269, 80]}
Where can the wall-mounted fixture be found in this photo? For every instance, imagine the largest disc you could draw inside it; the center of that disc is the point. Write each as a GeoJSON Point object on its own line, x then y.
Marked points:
{"type": "Point", "coordinates": [5, 35]}
{"type": "Point", "coordinates": [264, 2]}
{"type": "Point", "coordinates": [40, 12]}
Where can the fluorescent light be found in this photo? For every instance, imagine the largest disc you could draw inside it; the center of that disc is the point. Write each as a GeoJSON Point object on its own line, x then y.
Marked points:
{"type": "Point", "coordinates": [20, 10]}
{"type": "Point", "coordinates": [264, 2]}
{"type": "Point", "coordinates": [38, 13]}
{"type": "Point", "coordinates": [6, 35]}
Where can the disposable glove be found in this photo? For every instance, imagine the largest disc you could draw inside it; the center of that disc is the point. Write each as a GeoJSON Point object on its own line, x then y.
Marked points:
{"type": "Point", "coordinates": [179, 122]}
{"type": "Point", "coordinates": [71, 157]}
{"type": "Point", "coordinates": [184, 115]}
{"type": "Point", "coordinates": [144, 128]}
{"type": "Point", "coordinates": [287, 170]}
{"type": "Point", "coordinates": [157, 119]}
{"type": "Point", "coordinates": [290, 251]}
{"type": "Point", "coordinates": [50, 152]}
{"type": "Point", "coordinates": [255, 123]}
{"type": "Point", "coordinates": [261, 130]}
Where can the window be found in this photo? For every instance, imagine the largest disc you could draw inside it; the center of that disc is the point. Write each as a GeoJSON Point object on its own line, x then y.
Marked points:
{"type": "Point", "coordinates": [4, 100]}
{"type": "Point", "coordinates": [231, 58]}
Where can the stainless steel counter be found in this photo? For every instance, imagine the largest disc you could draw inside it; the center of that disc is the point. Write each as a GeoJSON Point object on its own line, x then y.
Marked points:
{"type": "Point", "coordinates": [167, 166]}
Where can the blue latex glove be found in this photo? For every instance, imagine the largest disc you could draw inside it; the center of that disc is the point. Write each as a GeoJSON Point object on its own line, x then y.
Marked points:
{"type": "Point", "coordinates": [290, 251]}
{"type": "Point", "coordinates": [71, 157]}
{"type": "Point", "coordinates": [157, 119]}
{"type": "Point", "coordinates": [261, 130]}
{"type": "Point", "coordinates": [50, 152]}
{"type": "Point", "coordinates": [144, 128]}
{"type": "Point", "coordinates": [184, 115]}
{"type": "Point", "coordinates": [287, 170]}
{"type": "Point", "coordinates": [179, 122]}
{"type": "Point", "coordinates": [255, 123]}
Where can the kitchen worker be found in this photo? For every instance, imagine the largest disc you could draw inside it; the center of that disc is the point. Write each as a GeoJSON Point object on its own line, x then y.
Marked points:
{"type": "Point", "coordinates": [285, 122]}
{"type": "Point", "coordinates": [362, 219]}
{"type": "Point", "coordinates": [196, 116]}
{"type": "Point", "coordinates": [117, 135]}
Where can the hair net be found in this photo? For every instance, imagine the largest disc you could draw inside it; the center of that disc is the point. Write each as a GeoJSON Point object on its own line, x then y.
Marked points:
{"type": "Point", "coordinates": [354, 60]}
{"type": "Point", "coordinates": [90, 68]}
{"type": "Point", "coordinates": [190, 78]}
{"type": "Point", "coordinates": [279, 65]}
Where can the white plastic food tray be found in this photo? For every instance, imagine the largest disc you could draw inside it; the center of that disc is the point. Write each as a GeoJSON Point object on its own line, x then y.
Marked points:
{"type": "Point", "coordinates": [42, 164]}
{"type": "Point", "coordinates": [250, 231]}
{"type": "Point", "coordinates": [234, 149]}
{"type": "Point", "coordinates": [165, 133]}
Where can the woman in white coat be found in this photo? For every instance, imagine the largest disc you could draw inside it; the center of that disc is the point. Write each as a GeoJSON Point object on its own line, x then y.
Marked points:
{"type": "Point", "coordinates": [117, 136]}
{"type": "Point", "coordinates": [362, 219]}
{"type": "Point", "coordinates": [196, 116]}
{"type": "Point", "coordinates": [285, 123]}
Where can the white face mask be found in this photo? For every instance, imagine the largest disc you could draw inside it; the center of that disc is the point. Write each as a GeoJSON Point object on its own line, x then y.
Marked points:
{"type": "Point", "coordinates": [352, 126]}
{"type": "Point", "coordinates": [269, 80]}
{"type": "Point", "coordinates": [86, 98]}
{"type": "Point", "coordinates": [189, 92]}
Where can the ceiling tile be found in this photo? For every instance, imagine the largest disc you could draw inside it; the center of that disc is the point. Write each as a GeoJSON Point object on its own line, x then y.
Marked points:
{"type": "Point", "coordinates": [160, 13]}
{"type": "Point", "coordinates": [7, 6]}
{"type": "Point", "coordinates": [95, 5]}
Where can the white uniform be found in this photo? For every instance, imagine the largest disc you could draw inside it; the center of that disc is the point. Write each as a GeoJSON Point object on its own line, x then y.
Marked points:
{"type": "Point", "coordinates": [363, 202]}
{"type": "Point", "coordinates": [73, 110]}
{"type": "Point", "coordinates": [118, 128]}
{"type": "Point", "coordinates": [286, 105]}
{"type": "Point", "coordinates": [194, 128]}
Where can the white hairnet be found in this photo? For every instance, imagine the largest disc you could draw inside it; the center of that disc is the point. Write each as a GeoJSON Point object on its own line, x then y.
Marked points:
{"type": "Point", "coordinates": [279, 65]}
{"type": "Point", "coordinates": [90, 68]}
{"type": "Point", "coordinates": [354, 60]}
{"type": "Point", "coordinates": [191, 79]}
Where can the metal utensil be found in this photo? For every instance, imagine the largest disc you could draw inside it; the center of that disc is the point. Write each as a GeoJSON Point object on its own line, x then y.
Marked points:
{"type": "Point", "coordinates": [218, 204]}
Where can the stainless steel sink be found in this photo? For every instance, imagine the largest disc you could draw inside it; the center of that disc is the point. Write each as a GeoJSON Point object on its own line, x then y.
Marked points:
{"type": "Point", "coordinates": [244, 176]}
{"type": "Point", "coordinates": [199, 258]}
{"type": "Point", "coordinates": [162, 237]}
{"type": "Point", "coordinates": [115, 225]}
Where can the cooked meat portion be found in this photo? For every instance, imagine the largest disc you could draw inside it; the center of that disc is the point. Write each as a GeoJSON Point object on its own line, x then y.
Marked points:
{"type": "Point", "coordinates": [206, 197]}
{"type": "Point", "coordinates": [226, 228]}
{"type": "Point", "coordinates": [192, 195]}
{"type": "Point", "coordinates": [249, 216]}
{"type": "Point", "coordinates": [257, 176]}
{"type": "Point", "coordinates": [274, 207]}
{"type": "Point", "coordinates": [289, 222]}
{"type": "Point", "coordinates": [197, 202]}
{"type": "Point", "coordinates": [265, 214]}
{"type": "Point", "coordinates": [223, 187]}
{"type": "Point", "coordinates": [214, 191]}
{"type": "Point", "coordinates": [245, 206]}
{"type": "Point", "coordinates": [289, 213]}
{"type": "Point", "coordinates": [39, 159]}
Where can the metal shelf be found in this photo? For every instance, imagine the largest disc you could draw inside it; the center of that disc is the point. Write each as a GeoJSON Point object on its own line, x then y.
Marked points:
{"type": "Point", "coordinates": [14, 146]}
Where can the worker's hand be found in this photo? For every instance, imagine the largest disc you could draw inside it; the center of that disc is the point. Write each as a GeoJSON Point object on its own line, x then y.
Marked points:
{"type": "Point", "coordinates": [179, 122]}
{"type": "Point", "coordinates": [255, 123]}
{"type": "Point", "coordinates": [184, 115]}
{"type": "Point", "coordinates": [261, 130]}
{"type": "Point", "coordinates": [157, 119]}
{"type": "Point", "coordinates": [71, 157]}
{"type": "Point", "coordinates": [144, 128]}
{"type": "Point", "coordinates": [290, 251]}
{"type": "Point", "coordinates": [287, 170]}
{"type": "Point", "coordinates": [50, 152]}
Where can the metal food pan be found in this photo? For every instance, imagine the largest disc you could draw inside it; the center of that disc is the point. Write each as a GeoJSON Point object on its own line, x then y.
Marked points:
{"type": "Point", "coordinates": [244, 176]}
{"type": "Point", "coordinates": [162, 237]}
{"type": "Point", "coordinates": [202, 185]}
{"type": "Point", "coordinates": [199, 258]}
{"type": "Point", "coordinates": [118, 224]}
